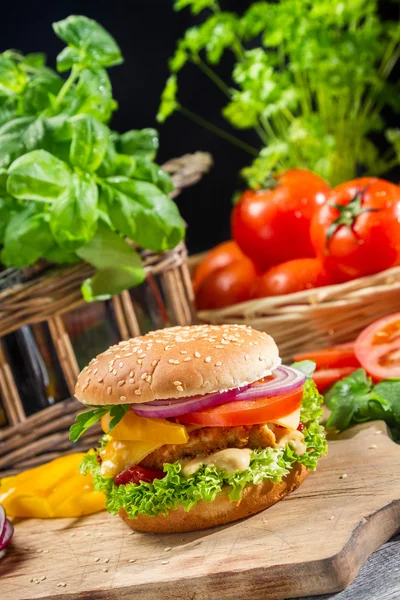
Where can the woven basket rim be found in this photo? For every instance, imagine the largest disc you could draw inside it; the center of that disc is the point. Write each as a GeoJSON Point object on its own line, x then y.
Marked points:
{"type": "Point", "coordinates": [332, 296]}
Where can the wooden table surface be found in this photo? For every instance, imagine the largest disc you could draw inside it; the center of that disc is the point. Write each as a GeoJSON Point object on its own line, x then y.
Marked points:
{"type": "Point", "coordinates": [378, 579]}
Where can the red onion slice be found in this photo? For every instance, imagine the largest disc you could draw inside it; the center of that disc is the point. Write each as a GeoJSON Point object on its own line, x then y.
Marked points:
{"type": "Point", "coordinates": [285, 379]}
{"type": "Point", "coordinates": [2, 522]}
{"type": "Point", "coordinates": [166, 409]}
{"type": "Point", "coordinates": [8, 532]}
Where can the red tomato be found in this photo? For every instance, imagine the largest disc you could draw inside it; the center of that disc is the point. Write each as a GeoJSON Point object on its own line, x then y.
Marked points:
{"type": "Point", "coordinates": [378, 348]}
{"type": "Point", "coordinates": [326, 377]}
{"type": "Point", "coordinates": [222, 255]}
{"type": "Point", "coordinates": [292, 276]}
{"type": "Point", "coordinates": [229, 285]}
{"type": "Point", "coordinates": [341, 355]}
{"type": "Point", "coordinates": [137, 474]}
{"type": "Point", "coordinates": [357, 232]}
{"type": "Point", "coordinates": [246, 412]}
{"type": "Point", "coordinates": [273, 226]}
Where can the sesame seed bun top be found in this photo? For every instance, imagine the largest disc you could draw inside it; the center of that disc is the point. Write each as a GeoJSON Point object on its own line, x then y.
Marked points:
{"type": "Point", "coordinates": [177, 362]}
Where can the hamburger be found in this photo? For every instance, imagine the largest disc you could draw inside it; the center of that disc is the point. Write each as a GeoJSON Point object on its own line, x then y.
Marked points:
{"type": "Point", "coordinates": [202, 426]}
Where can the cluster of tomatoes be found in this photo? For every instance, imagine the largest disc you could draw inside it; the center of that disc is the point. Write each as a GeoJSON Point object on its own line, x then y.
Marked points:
{"type": "Point", "coordinates": [376, 349]}
{"type": "Point", "coordinates": [301, 234]}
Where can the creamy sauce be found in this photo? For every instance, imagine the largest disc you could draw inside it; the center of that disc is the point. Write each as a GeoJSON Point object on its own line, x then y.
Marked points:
{"type": "Point", "coordinates": [229, 460]}
{"type": "Point", "coordinates": [295, 439]}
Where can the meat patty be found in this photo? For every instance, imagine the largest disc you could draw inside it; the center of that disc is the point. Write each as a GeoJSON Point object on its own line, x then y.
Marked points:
{"type": "Point", "coordinates": [207, 440]}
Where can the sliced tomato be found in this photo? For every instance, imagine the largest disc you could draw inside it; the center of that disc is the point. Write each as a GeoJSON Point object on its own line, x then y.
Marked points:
{"type": "Point", "coordinates": [341, 355]}
{"type": "Point", "coordinates": [326, 377]}
{"type": "Point", "coordinates": [246, 412]}
{"type": "Point", "coordinates": [378, 348]}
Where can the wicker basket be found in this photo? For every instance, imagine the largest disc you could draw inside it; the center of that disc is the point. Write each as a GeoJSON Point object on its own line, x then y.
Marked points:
{"type": "Point", "coordinates": [315, 318]}
{"type": "Point", "coordinates": [46, 306]}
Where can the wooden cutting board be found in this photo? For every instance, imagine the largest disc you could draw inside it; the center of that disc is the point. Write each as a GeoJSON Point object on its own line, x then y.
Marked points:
{"type": "Point", "coordinates": [313, 542]}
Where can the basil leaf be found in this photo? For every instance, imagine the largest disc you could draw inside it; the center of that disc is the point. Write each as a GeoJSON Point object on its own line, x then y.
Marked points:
{"type": "Point", "coordinates": [196, 6]}
{"type": "Point", "coordinates": [39, 91]}
{"type": "Point", "coordinates": [305, 366]}
{"type": "Point", "coordinates": [94, 95]}
{"type": "Point", "coordinates": [118, 265]}
{"type": "Point", "coordinates": [90, 43]}
{"type": "Point", "coordinates": [73, 216]}
{"type": "Point", "coordinates": [146, 170]}
{"type": "Point", "coordinates": [117, 412]}
{"type": "Point", "coordinates": [12, 78]}
{"type": "Point", "coordinates": [7, 210]}
{"type": "Point", "coordinates": [169, 101]}
{"type": "Point", "coordinates": [27, 238]}
{"type": "Point", "coordinates": [144, 214]}
{"type": "Point", "coordinates": [89, 142]}
{"type": "Point", "coordinates": [86, 420]}
{"type": "Point", "coordinates": [143, 143]}
{"type": "Point", "coordinates": [11, 139]}
{"type": "Point", "coordinates": [38, 176]}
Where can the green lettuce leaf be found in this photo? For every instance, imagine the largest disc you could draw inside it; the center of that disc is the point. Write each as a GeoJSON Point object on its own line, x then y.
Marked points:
{"type": "Point", "coordinates": [174, 489]}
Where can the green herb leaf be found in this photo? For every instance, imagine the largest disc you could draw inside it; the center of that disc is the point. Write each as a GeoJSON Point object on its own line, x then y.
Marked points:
{"type": "Point", "coordinates": [12, 78]}
{"type": "Point", "coordinates": [118, 265]}
{"type": "Point", "coordinates": [196, 6]}
{"type": "Point", "coordinates": [73, 217]}
{"type": "Point", "coordinates": [355, 399]}
{"type": "Point", "coordinates": [169, 103]}
{"type": "Point", "coordinates": [27, 238]}
{"type": "Point", "coordinates": [116, 413]}
{"type": "Point", "coordinates": [86, 420]}
{"type": "Point", "coordinates": [89, 142]}
{"type": "Point", "coordinates": [142, 212]}
{"type": "Point", "coordinates": [139, 142]}
{"type": "Point", "coordinates": [94, 95]}
{"type": "Point", "coordinates": [90, 43]}
{"type": "Point", "coordinates": [38, 176]}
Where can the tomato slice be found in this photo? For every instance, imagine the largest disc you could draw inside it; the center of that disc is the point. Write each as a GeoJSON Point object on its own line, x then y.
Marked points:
{"type": "Point", "coordinates": [246, 412]}
{"type": "Point", "coordinates": [378, 348]}
{"type": "Point", "coordinates": [137, 474]}
{"type": "Point", "coordinates": [326, 377]}
{"type": "Point", "coordinates": [341, 355]}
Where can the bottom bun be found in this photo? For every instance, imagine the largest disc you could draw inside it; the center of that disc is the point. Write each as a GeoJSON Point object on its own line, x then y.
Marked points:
{"type": "Point", "coordinates": [222, 510]}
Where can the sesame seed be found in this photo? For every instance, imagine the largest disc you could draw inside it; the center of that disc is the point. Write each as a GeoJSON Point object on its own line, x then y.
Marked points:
{"type": "Point", "coordinates": [111, 363]}
{"type": "Point", "coordinates": [187, 359]}
{"type": "Point", "coordinates": [167, 549]}
{"type": "Point", "coordinates": [332, 517]}
{"type": "Point", "coordinates": [61, 584]}
{"type": "Point", "coordinates": [129, 354]}
{"type": "Point", "coordinates": [197, 354]}
{"type": "Point", "coordinates": [121, 364]}
{"type": "Point", "coordinates": [148, 378]}
{"type": "Point", "coordinates": [106, 560]}
{"type": "Point", "coordinates": [171, 361]}
{"type": "Point", "coordinates": [122, 382]}
{"type": "Point", "coordinates": [218, 363]}
{"type": "Point", "coordinates": [183, 351]}
{"type": "Point", "coordinates": [165, 562]}
{"type": "Point", "coordinates": [131, 374]}
{"type": "Point", "coordinates": [140, 361]}
{"type": "Point", "coordinates": [343, 476]}
{"type": "Point", "coordinates": [131, 533]}
{"type": "Point", "coordinates": [372, 446]}
{"type": "Point", "coordinates": [122, 398]}
{"type": "Point", "coordinates": [131, 380]}
{"type": "Point", "coordinates": [144, 375]}
{"type": "Point", "coordinates": [46, 551]}
{"type": "Point", "coordinates": [168, 347]}
{"type": "Point", "coordinates": [207, 359]}
{"type": "Point", "coordinates": [114, 372]}
{"type": "Point", "coordinates": [138, 392]}
{"type": "Point", "coordinates": [219, 346]}
{"type": "Point", "coordinates": [97, 559]}
{"type": "Point", "coordinates": [177, 382]}
{"type": "Point", "coordinates": [378, 432]}
{"type": "Point", "coordinates": [100, 380]}
{"type": "Point", "coordinates": [105, 570]}
{"type": "Point", "coordinates": [132, 560]}
{"type": "Point", "coordinates": [95, 371]}
{"type": "Point", "coordinates": [179, 388]}
{"type": "Point", "coordinates": [109, 390]}
{"type": "Point", "coordinates": [117, 356]}
{"type": "Point", "coordinates": [142, 356]}
{"type": "Point", "coordinates": [88, 371]}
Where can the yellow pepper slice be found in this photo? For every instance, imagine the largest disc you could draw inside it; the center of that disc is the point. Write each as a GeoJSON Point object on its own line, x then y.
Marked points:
{"type": "Point", "coordinates": [133, 427]}
{"type": "Point", "coordinates": [55, 489]}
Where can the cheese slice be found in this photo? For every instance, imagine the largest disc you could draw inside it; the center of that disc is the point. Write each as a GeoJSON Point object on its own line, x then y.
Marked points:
{"type": "Point", "coordinates": [119, 455]}
{"type": "Point", "coordinates": [291, 421]}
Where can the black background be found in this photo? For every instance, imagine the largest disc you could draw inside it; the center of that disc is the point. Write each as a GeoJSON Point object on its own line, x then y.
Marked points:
{"type": "Point", "coordinates": [146, 31]}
